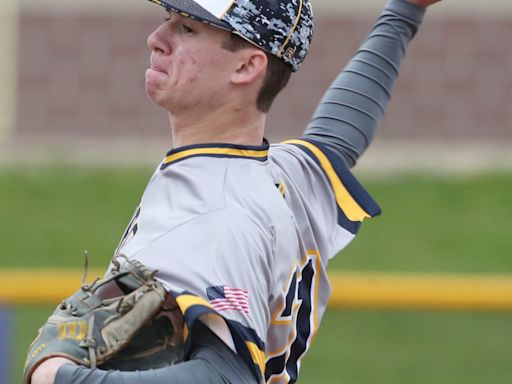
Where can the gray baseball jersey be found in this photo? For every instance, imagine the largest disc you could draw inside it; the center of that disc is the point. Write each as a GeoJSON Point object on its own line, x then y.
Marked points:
{"type": "Point", "coordinates": [241, 235]}
{"type": "Point", "coordinates": [263, 223]}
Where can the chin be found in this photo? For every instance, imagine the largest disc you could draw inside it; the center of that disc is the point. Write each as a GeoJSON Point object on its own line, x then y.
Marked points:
{"type": "Point", "coordinates": [156, 98]}
{"type": "Point", "coordinates": [154, 84]}
{"type": "Point", "coordinates": [153, 92]}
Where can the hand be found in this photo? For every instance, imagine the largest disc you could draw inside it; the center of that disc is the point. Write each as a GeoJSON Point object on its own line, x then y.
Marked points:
{"type": "Point", "coordinates": [46, 372]}
{"type": "Point", "coordinates": [423, 3]}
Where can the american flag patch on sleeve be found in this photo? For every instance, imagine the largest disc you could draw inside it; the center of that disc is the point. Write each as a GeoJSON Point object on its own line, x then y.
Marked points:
{"type": "Point", "coordinates": [223, 298]}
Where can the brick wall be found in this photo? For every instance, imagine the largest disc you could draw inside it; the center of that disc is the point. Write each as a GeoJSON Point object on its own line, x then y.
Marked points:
{"type": "Point", "coordinates": [83, 75]}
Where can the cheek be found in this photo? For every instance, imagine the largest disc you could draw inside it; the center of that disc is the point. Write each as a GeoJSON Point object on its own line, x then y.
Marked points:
{"type": "Point", "coordinates": [201, 65]}
{"type": "Point", "coordinates": [190, 70]}
{"type": "Point", "coordinates": [190, 73]}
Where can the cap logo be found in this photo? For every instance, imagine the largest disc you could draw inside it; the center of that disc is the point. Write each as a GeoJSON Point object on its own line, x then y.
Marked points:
{"type": "Point", "coordinates": [289, 53]}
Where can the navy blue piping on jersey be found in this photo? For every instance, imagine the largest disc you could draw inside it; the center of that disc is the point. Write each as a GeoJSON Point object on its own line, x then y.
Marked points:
{"type": "Point", "coordinates": [240, 333]}
{"type": "Point", "coordinates": [217, 150]}
{"type": "Point", "coordinates": [356, 190]}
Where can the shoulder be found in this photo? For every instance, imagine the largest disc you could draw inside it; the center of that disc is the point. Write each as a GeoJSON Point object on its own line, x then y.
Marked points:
{"type": "Point", "coordinates": [321, 175]}
{"type": "Point", "coordinates": [253, 189]}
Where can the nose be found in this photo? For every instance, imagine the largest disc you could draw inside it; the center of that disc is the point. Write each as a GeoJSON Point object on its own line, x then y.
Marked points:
{"type": "Point", "coordinates": [159, 42]}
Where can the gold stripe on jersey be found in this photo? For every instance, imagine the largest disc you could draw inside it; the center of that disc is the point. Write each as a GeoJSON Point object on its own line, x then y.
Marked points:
{"type": "Point", "coordinates": [282, 378]}
{"type": "Point", "coordinates": [344, 199]}
{"type": "Point", "coordinates": [186, 301]}
{"type": "Point", "coordinates": [258, 356]}
{"type": "Point", "coordinates": [217, 151]}
{"type": "Point", "coordinates": [317, 259]}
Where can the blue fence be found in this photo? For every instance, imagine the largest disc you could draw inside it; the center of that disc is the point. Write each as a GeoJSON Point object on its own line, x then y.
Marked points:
{"type": "Point", "coordinates": [6, 344]}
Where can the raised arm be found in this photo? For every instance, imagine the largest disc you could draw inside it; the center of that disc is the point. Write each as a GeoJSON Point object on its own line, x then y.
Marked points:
{"type": "Point", "coordinates": [350, 111]}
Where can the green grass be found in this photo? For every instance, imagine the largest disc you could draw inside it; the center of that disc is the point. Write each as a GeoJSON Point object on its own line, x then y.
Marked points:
{"type": "Point", "coordinates": [50, 216]}
{"type": "Point", "coordinates": [430, 224]}
{"type": "Point", "coordinates": [436, 224]}
{"type": "Point", "coordinates": [371, 347]}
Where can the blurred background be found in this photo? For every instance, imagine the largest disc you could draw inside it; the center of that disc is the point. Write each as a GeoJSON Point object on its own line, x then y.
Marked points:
{"type": "Point", "coordinates": [79, 139]}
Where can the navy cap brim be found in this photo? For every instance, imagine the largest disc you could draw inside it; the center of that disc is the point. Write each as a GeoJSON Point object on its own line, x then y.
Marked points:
{"type": "Point", "coordinates": [193, 10]}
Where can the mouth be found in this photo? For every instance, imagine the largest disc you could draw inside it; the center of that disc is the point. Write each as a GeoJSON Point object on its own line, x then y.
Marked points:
{"type": "Point", "coordinates": [156, 68]}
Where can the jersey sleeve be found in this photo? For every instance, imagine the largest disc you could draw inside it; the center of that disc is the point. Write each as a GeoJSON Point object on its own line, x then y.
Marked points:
{"type": "Point", "coordinates": [333, 201]}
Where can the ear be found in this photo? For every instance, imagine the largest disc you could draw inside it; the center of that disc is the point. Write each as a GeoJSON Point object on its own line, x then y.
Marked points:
{"type": "Point", "coordinates": [251, 67]}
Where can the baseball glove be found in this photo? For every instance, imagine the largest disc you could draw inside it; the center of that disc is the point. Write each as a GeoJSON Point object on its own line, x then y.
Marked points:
{"type": "Point", "coordinates": [124, 321]}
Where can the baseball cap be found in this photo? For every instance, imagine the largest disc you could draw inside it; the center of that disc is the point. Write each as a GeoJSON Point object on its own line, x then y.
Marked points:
{"type": "Point", "coordinates": [283, 28]}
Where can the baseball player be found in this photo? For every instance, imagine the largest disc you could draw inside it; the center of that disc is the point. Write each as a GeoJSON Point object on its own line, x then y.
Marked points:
{"type": "Point", "coordinates": [241, 231]}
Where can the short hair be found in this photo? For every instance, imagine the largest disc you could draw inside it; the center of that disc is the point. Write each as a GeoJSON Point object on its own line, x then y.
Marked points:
{"type": "Point", "coordinates": [276, 78]}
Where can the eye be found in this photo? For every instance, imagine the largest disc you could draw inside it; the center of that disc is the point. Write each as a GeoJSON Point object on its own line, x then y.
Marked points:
{"type": "Point", "coordinates": [167, 18]}
{"type": "Point", "coordinates": [187, 29]}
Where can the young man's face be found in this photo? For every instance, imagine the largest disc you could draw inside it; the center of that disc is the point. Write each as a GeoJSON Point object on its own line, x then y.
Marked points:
{"type": "Point", "coordinates": [189, 68]}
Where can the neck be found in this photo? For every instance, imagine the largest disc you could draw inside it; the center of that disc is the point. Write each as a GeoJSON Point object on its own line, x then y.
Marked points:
{"type": "Point", "coordinates": [222, 125]}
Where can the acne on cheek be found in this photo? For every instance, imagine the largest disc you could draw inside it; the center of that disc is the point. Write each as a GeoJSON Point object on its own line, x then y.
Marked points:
{"type": "Point", "coordinates": [192, 68]}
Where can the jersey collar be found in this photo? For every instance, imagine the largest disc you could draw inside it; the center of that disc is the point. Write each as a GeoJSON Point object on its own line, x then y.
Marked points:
{"type": "Point", "coordinates": [237, 151]}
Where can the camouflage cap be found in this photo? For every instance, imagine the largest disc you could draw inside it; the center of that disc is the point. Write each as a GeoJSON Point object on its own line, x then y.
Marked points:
{"type": "Point", "coordinates": [283, 28]}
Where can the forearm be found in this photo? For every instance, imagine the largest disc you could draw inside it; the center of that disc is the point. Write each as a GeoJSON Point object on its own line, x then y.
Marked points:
{"type": "Point", "coordinates": [211, 362]}
{"type": "Point", "coordinates": [196, 371]}
{"type": "Point", "coordinates": [350, 111]}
